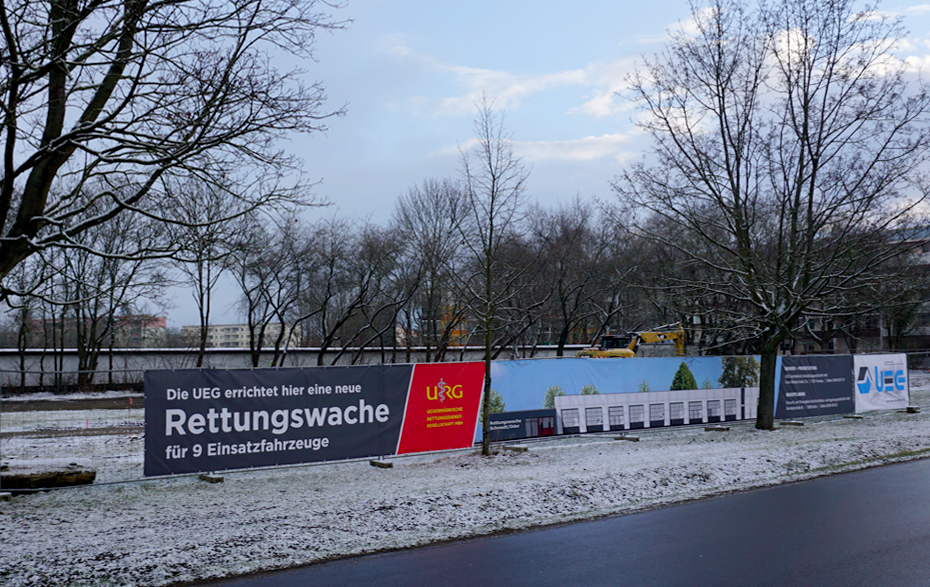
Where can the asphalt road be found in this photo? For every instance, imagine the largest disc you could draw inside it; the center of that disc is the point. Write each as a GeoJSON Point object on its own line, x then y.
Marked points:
{"type": "Point", "coordinates": [866, 528]}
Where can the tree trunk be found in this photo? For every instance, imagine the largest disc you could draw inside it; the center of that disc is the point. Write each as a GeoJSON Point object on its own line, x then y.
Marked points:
{"type": "Point", "coordinates": [765, 417]}
{"type": "Point", "coordinates": [486, 398]}
{"type": "Point", "coordinates": [204, 328]}
{"type": "Point", "coordinates": [204, 307]}
{"type": "Point", "coordinates": [564, 333]}
{"type": "Point", "coordinates": [409, 339]}
{"type": "Point", "coordinates": [486, 401]}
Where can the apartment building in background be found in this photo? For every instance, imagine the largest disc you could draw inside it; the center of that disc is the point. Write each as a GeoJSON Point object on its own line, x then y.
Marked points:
{"type": "Point", "coordinates": [237, 335]}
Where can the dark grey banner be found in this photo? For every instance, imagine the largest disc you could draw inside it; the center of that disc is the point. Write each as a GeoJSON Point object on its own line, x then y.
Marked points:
{"type": "Point", "coordinates": [212, 420]}
{"type": "Point", "coordinates": [814, 385]}
{"type": "Point", "coordinates": [522, 424]}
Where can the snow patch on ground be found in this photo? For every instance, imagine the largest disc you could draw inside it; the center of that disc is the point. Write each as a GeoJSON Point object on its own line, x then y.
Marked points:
{"type": "Point", "coordinates": [79, 395]}
{"type": "Point", "coordinates": [164, 531]}
{"type": "Point", "coordinates": [63, 420]}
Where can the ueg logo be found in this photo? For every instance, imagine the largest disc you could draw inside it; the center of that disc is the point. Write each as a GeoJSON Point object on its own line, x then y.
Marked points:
{"type": "Point", "coordinates": [443, 390]}
{"type": "Point", "coordinates": [882, 380]}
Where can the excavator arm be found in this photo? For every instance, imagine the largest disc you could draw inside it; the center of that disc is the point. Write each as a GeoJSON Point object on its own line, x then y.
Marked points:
{"type": "Point", "coordinates": [676, 336]}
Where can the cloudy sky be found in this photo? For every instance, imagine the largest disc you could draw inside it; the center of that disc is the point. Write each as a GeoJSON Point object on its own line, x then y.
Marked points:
{"type": "Point", "coordinates": [410, 72]}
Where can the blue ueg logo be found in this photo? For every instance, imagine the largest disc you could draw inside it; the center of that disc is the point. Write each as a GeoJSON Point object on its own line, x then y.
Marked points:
{"type": "Point", "coordinates": [884, 380]}
{"type": "Point", "coordinates": [864, 380]}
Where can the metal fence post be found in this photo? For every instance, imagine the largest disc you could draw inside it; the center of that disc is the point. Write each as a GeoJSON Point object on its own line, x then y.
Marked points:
{"type": "Point", "coordinates": [1, 432]}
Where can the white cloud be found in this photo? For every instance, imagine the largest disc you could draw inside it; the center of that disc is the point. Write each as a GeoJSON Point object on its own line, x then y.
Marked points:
{"type": "Point", "coordinates": [508, 90]}
{"type": "Point", "coordinates": [583, 149]}
{"type": "Point", "coordinates": [918, 63]}
{"type": "Point", "coordinates": [604, 103]}
{"type": "Point", "coordinates": [876, 15]}
{"type": "Point", "coordinates": [906, 46]}
{"type": "Point", "coordinates": [653, 40]}
{"type": "Point", "coordinates": [918, 9]}
{"type": "Point", "coordinates": [691, 26]}
{"type": "Point", "coordinates": [608, 83]}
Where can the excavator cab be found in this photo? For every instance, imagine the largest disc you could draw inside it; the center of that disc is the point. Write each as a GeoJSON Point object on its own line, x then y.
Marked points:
{"type": "Point", "coordinates": [612, 341]}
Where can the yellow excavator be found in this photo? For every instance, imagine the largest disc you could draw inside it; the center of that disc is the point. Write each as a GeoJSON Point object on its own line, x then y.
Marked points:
{"type": "Point", "coordinates": [612, 345]}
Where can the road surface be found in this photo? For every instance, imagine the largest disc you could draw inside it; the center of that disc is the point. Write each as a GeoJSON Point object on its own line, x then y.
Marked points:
{"type": "Point", "coordinates": [866, 528]}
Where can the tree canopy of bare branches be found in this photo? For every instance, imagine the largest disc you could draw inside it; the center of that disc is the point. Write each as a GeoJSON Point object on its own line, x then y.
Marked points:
{"type": "Point", "coordinates": [427, 216]}
{"type": "Point", "coordinates": [788, 141]}
{"type": "Point", "coordinates": [104, 101]}
{"type": "Point", "coordinates": [494, 178]}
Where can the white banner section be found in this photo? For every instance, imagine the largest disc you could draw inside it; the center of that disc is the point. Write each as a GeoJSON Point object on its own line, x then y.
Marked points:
{"type": "Point", "coordinates": [881, 382]}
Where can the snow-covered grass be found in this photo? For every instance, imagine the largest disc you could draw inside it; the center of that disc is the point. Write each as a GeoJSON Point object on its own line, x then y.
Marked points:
{"type": "Point", "coordinates": [71, 420]}
{"type": "Point", "coordinates": [164, 531]}
{"type": "Point", "coordinates": [116, 457]}
{"type": "Point", "coordinates": [78, 395]}
{"type": "Point", "coordinates": [108, 440]}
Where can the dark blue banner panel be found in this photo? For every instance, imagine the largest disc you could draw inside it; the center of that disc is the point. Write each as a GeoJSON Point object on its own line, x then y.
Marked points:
{"type": "Point", "coordinates": [522, 424]}
{"type": "Point", "coordinates": [815, 385]}
{"type": "Point", "coordinates": [212, 420]}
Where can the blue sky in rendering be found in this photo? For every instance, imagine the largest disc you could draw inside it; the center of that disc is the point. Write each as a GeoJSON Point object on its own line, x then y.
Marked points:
{"type": "Point", "coordinates": [523, 384]}
{"type": "Point", "coordinates": [410, 73]}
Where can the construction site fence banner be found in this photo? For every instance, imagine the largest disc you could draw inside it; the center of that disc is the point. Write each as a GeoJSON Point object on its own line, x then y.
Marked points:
{"type": "Point", "coordinates": [525, 384]}
{"type": "Point", "coordinates": [881, 382]}
{"type": "Point", "coordinates": [814, 385]}
{"type": "Point", "coordinates": [806, 385]}
{"type": "Point", "coordinates": [523, 424]}
{"type": "Point", "coordinates": [206, 420]}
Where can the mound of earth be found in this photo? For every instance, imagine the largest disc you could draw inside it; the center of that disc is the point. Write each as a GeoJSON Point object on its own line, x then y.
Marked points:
{"type": "Point", "coordinates": [44, 473]}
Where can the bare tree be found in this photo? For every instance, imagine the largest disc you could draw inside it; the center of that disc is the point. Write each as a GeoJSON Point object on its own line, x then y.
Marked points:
{"type": "Point", "coordinates": [381, 287]}
{"type": "Point", "coordinates": [124, 94]}
{"type": "Point", "coordinates": [92, 288]}
{"type": "Point", "coordinates": [427, 216]}
{"type": "Point", "coordinates": [786, 138]}
{"type": "Point", "coordinates": [519, 321]}
{"type": "Point", "coordinates": [576, 246]}
{"type": "Point", "coordinates": [268, 264]}
{"type": "Point", "coordinates": [494, 178]}
{"type": "Point", "coordinates": [352, 298]}
{"type": "Point", "coordinates": [204, 248]}
{"type": "Point", "coordinates": [24, 311]}
{"type": "Point", "coordinates": [667, 289]}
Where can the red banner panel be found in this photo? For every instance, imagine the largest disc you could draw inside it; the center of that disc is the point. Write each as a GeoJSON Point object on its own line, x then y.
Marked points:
{"type": "Point", "coordinates": [442, 407]}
